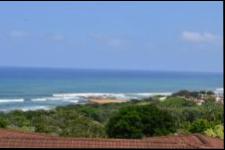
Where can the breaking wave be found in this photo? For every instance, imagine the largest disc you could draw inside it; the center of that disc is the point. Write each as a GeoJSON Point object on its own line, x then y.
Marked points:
{"type": "Point", "coordinates": [11, 100]}
{"type": "Point", "coordinates": [35, 108]}
{"type": "Point", "coordinates": [109, 95]}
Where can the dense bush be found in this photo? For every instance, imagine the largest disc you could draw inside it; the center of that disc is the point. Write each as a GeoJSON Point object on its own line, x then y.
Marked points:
{"type": "Point", "coordinates": [199, 126]}
{"type": "Point", "coordinates": [212, 111]}
{"type": "Point", "coordinates": [3, 123]}
{"type": "Point", "coordinates": [186, 93]}
{"type": "Point", "coordinates": [217, 131]}
{"type": "Point", "coordinates": [192, 94]}
{"type": "Point", "coordinates": [135, 119]}
{"type": "Point", "coordinates": [139, 121]}
{"type": "Point", "coordinates": [126, 124]}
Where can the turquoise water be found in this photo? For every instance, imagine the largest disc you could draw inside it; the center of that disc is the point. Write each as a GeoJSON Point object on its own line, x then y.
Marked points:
{"type": "Point", "coordinates": [33, 88]}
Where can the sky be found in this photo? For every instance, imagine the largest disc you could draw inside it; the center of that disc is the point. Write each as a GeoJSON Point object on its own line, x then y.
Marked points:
{"type": "Point", "coordinates": [167, 36]}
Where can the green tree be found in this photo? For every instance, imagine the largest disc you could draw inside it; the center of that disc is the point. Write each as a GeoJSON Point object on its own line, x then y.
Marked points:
{"type": "Point", "coordinates": [126, 124]}
{"type": "Point", "coordinates": [139, 121]}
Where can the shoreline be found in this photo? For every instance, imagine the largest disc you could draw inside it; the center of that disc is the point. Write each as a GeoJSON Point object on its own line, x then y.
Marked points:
{"type": "Point", "coordinates": [63, 99]}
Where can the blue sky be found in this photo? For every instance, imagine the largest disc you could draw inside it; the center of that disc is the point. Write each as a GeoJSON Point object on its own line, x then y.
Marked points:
{"type": "Point", "coordinates": [180, 36]}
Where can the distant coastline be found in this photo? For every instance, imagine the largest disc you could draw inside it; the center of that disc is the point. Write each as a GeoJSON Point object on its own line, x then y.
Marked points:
{"type": "Point", "coordinates": [81, 98]}
{"type": "Point", "coordinates": [34, 88]}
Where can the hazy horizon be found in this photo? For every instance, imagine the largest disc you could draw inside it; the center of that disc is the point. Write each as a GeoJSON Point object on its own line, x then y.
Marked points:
{"type": "Point", "coordinates": [107, 69]}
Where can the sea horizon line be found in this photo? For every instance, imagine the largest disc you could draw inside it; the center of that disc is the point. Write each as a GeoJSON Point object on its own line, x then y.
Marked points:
{"type": "Point", "coordinates": [108, 69]}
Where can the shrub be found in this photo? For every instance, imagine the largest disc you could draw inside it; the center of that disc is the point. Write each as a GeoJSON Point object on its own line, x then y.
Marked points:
{"type": "Point", "coordinates": [210, 132]}
{"type": "Point", "coordinates": [217, 131]}
{"type": "Point", "coordinates": [139, 121]}
{"type": "Point", "coordinates": [174, 102]}
{"type": "Point", "coordinates": [199, 126]}
{"type": "Point", "coordinates": [3, 123]}
{"type": "Point", "coordinates": [126, 124]}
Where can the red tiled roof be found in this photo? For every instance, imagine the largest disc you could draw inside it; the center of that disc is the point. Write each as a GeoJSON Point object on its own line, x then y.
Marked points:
{"type": "Point", "coordinates": [19, 139]}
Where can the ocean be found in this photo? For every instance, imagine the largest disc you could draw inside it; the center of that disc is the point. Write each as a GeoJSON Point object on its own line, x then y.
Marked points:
{"type": "Point", "coordinates": [46, 88]}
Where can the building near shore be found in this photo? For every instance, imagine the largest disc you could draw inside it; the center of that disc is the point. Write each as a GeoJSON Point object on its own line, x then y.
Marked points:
{"type": "Point", "coordinates": [219, 92]}
{"type": "Point", "coordinates": [219, 95]}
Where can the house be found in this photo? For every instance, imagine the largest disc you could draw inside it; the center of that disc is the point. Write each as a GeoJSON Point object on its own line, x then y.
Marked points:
{"type": "Point", "coordinates": [219, 95]}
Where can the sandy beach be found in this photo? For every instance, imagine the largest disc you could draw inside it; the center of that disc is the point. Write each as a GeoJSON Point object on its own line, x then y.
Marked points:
{"type": "Point", "coordinates": [100, 100]}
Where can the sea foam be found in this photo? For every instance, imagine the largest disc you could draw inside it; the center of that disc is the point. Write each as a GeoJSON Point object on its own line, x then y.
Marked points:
{"type": "Point", "coordinates": [109, 95]}
{"type": "Point", "coordinates": [53, 98]}
{"type": "Point", "coordinates": [75, 97]}
{"type": "Point", "coordinates": [11, 100]}
{"type": "Point", "coordinates": [35, 108]}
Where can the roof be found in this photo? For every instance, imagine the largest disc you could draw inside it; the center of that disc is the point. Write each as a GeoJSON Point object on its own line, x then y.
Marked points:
{"type": "Point", "coordinates": [19, 139]}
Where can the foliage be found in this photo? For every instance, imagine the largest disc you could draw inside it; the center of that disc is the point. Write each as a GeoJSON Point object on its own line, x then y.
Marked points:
{"type": "Point", "coordinates": [3, 122]}
{"type": "Point", "coordinates": [186, 93]}
{"type": "Point", "coordinates": [199, 126]}
{"type": "Point", "coordinates": [213, 111]}
{"type": "Point", "coordinates": [134, 119]}
{"type": "Point", "coordinates": [172, 102]}
{"type": "Point", "coordinates": [210, 132]}
{"type": "Point", "coordinates": [217, 131]}
{"type": "Point", "coordinates": [125, 125]}
{"type": "Point", "coordinates": [137, 121]}
{"type": "Point", "coordinates": [193, 94]}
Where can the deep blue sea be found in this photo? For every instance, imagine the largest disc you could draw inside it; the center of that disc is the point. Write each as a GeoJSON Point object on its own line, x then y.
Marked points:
{"type": "Point", "coordinates": [44, 88]}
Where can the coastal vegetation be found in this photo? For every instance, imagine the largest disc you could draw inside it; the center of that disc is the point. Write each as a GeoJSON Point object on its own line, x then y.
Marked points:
{"type": "Point", "coordinates": [177, 114]}
{"type": "Point", "coordinates": [140, 120]}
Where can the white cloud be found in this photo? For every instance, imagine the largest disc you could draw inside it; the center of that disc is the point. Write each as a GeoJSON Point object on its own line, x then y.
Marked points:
{"type": "Point", "coordinates": [18, 33]}
{"type": "Point", "coordinates": [196, 37]}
